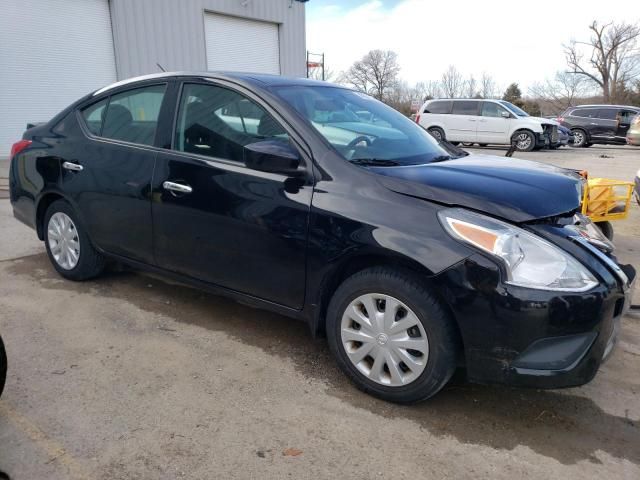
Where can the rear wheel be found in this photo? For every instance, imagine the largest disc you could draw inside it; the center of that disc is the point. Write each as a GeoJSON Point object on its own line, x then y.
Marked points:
{"type": "Point", "coordinates": [579, 138]}
{"type": "Point", "coordinates": [437, 133]}
{"type": "Point", "coordinates": [524, 141]}
{"type": "Point", "coordinates": [68, 246]}
{"type": "Point", "coordinates": [391, 336]}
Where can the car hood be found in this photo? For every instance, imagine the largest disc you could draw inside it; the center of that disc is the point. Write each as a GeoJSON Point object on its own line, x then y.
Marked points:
{"type": "Point", "coordinates": [516, 190]}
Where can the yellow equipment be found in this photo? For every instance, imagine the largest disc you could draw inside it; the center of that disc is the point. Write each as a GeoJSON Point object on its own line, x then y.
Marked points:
{"type": "Point", "coordinates": [605, 199]}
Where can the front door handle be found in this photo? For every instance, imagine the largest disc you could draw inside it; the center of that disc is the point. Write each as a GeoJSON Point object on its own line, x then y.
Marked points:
{"type": "Point", "coordinates": [72, 166]}
{"type": "Point", "coordinates": [177, 187]}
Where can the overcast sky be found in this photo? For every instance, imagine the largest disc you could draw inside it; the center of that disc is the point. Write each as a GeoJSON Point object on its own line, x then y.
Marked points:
{"type": "Point", "coordinates": [514, 41]}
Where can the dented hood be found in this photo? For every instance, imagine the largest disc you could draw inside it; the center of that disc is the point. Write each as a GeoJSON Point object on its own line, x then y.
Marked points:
{"type": "Point", "coordinates": [516, 190]}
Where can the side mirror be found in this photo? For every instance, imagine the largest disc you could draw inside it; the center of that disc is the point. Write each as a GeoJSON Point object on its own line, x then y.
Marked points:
{"type": "Point", "coordinates": [505, 115]}
{"type": "Point", "coordinates": [275, 156]}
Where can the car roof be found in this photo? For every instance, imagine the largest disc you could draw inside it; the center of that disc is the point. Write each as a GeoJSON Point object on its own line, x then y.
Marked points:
{"type": "Point", "coordinates": [604, 106]}
{"type": "Point", "coordinates": [466, 99]}
{"type": "Point", "coordinates": [258, 79]}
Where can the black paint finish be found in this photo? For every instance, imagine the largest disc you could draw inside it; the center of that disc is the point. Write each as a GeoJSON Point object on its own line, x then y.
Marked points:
{"type": "Point", "coordinates": [284, 241]}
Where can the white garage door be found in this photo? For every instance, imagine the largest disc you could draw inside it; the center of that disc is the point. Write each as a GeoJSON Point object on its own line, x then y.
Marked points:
{"type": "Point", "coordinates": [241, 45]}
{"type": "Point", "coordinates": [52, 52]}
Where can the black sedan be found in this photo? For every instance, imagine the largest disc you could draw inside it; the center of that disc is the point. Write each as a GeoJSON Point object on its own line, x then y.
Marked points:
{"type": "Point", "coordinates": [323, 204]}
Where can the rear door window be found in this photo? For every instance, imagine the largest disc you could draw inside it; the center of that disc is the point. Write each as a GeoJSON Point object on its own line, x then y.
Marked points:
{"type": "Point", "coordinates": [132, 116]}
{"type": "Point", "coordinates": [585, 112]}
{"type": "Point", "coordinates": [462, 107]}
{"type": "Point", "coordinates": [608, 113]}
{"type": "Point", "coordinates": [94, 115]}
{"type": "Point", "coordinates": [439, 106]}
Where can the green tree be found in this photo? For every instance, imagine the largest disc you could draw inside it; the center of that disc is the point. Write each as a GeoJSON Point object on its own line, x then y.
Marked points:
{"type": "Point", "coordinates": [513, 94]}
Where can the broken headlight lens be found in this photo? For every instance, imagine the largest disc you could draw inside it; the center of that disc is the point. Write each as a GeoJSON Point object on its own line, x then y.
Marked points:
{"type": "Point", "coordinates": [529, 260]}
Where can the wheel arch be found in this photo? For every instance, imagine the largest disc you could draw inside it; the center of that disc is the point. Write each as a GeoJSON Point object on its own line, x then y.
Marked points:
{"type": "Point", "coordinates": [362, 261]}
{"type": "Point", "coordinates": [41, 209]}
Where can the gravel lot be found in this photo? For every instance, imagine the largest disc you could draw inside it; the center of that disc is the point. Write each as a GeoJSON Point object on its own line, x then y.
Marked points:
{"type": "Point", "coordinates": [130, 377]}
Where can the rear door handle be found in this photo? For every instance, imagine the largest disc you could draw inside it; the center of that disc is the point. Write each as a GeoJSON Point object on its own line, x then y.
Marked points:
{"type": "Point", "coordinates": [177, 187]}
{"type": "Point", "coordinates": [72, 166]}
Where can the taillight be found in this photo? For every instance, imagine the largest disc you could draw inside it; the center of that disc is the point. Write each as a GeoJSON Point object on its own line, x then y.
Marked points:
{"type": "Point", "coordinates": [418, 118]}
{"type": "Point", "coordinates": [19, 146]}
{"type": "Point", "coordinates": [560, 119]}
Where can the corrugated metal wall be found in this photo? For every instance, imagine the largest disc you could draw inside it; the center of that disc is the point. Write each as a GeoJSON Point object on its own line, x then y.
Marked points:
{"type": "Point", "coordinates": [171, 32]}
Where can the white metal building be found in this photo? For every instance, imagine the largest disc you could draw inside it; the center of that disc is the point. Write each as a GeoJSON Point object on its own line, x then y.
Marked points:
{"type": "Point", "coordinates": [52, 52]}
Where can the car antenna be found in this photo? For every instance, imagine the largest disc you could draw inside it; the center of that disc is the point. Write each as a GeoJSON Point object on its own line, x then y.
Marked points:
{"type": "Point", "coordinates": [160, 67]}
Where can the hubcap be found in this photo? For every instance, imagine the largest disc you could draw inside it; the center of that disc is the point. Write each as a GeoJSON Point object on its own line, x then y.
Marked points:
{"type": "Point", "coordinates": [384, 339]}
{"type": "Point", "coordinates": [524, 141]}
{"type": "Point", "coordinates": [63, 240]}
{"type": "Point", "coordinates": [578, 138]}
{"type": "Point", "coordinates": [436, 134]}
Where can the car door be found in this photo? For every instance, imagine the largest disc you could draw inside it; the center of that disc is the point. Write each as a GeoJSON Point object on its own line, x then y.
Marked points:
{"type": "Point", "coordinates": [625, 116]}
{"type": "Point", "coordinates": [107, 170]}
{"type": "Point", "coordinates": [493, 124]}
{"type": "Point", "coordinates": [219, 221]}
{"type": "Point", "coordinates": [462, 124]}
{"type": "Point", "coordinates": [604, 127]}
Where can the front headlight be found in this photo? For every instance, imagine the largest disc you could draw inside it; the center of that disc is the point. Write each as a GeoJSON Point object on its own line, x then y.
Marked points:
{"type": "Point", "coordinates": [529, 260]}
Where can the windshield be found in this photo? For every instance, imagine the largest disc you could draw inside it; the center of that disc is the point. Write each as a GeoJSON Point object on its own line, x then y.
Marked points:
{"type": "Point", "coordinates": [514, 109]}
{"type": "Point", "coordinates": [363, 130]}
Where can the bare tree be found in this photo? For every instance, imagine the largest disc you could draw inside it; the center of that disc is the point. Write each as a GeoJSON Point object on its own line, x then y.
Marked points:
{"type": "Point", "coordinates": [488, 87]}
{"type": "Point", "coordinates": [375, 74]}
{"type": "Point", "coordinates": [614, 59]}
{"type": "Point", "coordinates": [316, 74]}
{"type": "Point", "coordinates": [471, 87]}
{"type": "Point", "coordinates": [562, 91]}
{"type": "Point", "coordinates": [452, 82]}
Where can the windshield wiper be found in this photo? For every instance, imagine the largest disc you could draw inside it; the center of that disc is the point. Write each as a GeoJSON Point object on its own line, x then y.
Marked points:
{"type": "Point", "coordinates": [441, 158]}
{"type": "Point", "coordinates": [374, 162]}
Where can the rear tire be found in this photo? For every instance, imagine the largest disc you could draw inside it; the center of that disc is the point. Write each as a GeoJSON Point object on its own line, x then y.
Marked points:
{"type": "Point", "coordinates": [437, 133]}
{"type": "Point", "coordinates": [418, 318]}
{"type": "Point", "coordinates": [69, 248]}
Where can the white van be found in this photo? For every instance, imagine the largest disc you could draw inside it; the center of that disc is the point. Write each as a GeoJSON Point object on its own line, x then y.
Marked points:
{"type": "Point", "coordinates": [486, 122]}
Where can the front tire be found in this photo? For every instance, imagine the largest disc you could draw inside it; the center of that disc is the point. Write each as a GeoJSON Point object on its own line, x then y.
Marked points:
{"type": "Point", "coordinates": [524, 140]}
{"type": "Point", "coordinates": [68, 246]}
{"type": "Point", "coordinates": [579, 138]}
{"type": "Point", "coordinates": [606, 228]}
{"type": "Point", "coordinates": [391, 335]}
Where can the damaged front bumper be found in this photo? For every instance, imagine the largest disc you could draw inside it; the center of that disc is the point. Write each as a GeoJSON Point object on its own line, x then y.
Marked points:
{"type": "Point", "coordinates": [536, 338]}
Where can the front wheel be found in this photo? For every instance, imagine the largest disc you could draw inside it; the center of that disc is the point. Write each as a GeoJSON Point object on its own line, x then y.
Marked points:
{"type": "Point", "coordinates": [391, 336]}
{"type": "Point", "coordinates": [579, 138]}
{"type": "Point", "coordinates": [524, 141]}
{"type": "Point", "coordinates": [606, 228]}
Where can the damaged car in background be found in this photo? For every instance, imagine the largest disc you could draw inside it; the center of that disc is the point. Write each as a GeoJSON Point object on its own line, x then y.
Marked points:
{"type": "Point", "coordinates": [324, 204]}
